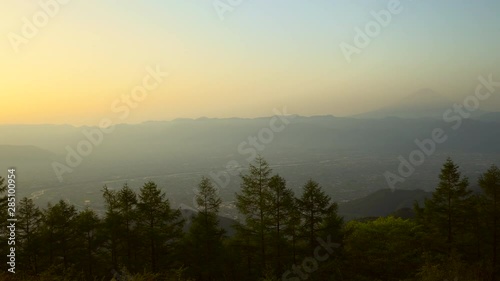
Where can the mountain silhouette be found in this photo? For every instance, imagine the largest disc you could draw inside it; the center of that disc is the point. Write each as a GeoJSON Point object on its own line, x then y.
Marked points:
{"type": "Point", "coordinates": [425, 103]}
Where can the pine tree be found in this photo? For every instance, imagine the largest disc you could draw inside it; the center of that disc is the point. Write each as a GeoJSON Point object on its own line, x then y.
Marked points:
{"type": "Point", "coordinates": [204, 238]}
{"type": "Point", "coordinates": [59, 230]}
{"type": "Point", "coordinates": [29, 225]}
{"type": "Point", "coordinates": [127, 219]}
{"type": "Point", "coordinates": [111, 224]}
{"type": "Point", "coordinates": [87, 225]}
{"type": "Point", "coordinates": [282, 206]}
{"type": "Point", "coordinates": [160, 226]}
{"type": "Point", "coordinates": [446, 211]}
{"type": "Point", "coordinates": [253, 204]}
{"type": "Point", "coordinates": [315, 210]}
{"type": "Point", "coordinates": [294, 229]}
{"type": "Point", "coordinates": [490, 184]}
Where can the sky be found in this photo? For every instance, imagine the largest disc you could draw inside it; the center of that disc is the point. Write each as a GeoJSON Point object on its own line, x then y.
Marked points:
{"type": "Point", "coordinates": [244, 59]}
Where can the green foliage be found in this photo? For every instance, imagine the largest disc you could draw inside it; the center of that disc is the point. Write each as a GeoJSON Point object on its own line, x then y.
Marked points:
{"type": "Point", "coordinates": [490, 184]}
{"type": "Point", "coordinates": [207, 199]}
{"type": "Point", "coordinates": [446, 215]}
{"type": "Point", "coordinates": [282, 205]}
{"type": "Point", "coordinates": [458, 234]}
{"type": "Point", "coordinates": [59, 232]}
{"type": "Point", "coordinates": [490, 206]}
{"type": "Point", "coordinates": [454, 235]}
{"type": "Point", "coordinates": [452, 268]}
{"type": "Point", "coordinates": [29, 229]}
{"type": "Point", "coordinates": [3, 189]}
{"type": "Point", "coordinates": [384, 249]}
{"type": "Point", "coordinates": [318, 214]}
{"type": "Point", "coordinates": [158, 224]}
{"type": "Point", "coordinates": [87, 224]}
{"type": "Point", "coordinates": [253, 204]}
{"type": "Point", "coordinates": [205, 236]}
{"type": "Point", "coordinates": [127, 236]}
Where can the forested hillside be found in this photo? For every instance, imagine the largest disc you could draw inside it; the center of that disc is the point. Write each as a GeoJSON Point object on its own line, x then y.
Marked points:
{"type": "Point", "coordinates": [453, 235]}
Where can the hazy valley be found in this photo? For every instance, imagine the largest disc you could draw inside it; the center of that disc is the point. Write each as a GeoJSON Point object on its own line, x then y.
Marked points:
{"type": "Point", "coordinates": [347, 156]}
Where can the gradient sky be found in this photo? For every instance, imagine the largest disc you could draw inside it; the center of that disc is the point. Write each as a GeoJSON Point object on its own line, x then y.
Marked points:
{"type": "Point", "coordinates": [263, 55]}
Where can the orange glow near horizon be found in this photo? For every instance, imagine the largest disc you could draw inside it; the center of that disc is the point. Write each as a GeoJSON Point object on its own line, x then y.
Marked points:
{"type": "Point", "coordinates": [91, 54]}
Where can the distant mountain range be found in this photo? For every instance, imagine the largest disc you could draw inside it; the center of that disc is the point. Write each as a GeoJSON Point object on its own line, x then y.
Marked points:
{"type": "Point", "coordinates": [201, 146]}
{"type": "Point", "coordinates": [25, 153]}
{"type": "Point", "coordinates": [382, 203]}
{"type": "Point", "coordinates": [347, 156]}
{"type": "Point", "coordinates": [424, 103]}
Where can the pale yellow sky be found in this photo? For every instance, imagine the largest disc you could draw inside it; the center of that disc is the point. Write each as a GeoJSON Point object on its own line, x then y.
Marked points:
{"type": "Point", "coordinates": [260, 57]}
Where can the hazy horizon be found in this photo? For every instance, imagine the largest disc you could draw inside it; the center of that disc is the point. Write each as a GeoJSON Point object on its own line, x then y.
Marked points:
{"type": "Point", "coordinates": [257, 57]}
{"type": "Point", "coordinates": [250, 140]}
